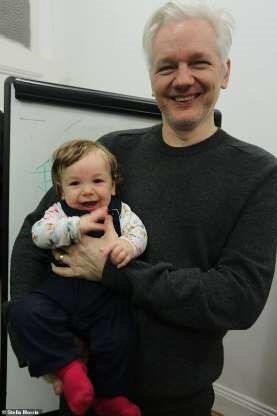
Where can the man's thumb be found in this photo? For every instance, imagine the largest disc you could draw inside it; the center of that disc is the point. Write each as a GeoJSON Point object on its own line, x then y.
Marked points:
{"type": "Point", "coordinates": [109, 227]}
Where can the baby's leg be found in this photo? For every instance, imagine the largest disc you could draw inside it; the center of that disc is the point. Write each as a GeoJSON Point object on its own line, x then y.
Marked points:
{"type": "Point", "coordinates": [112, 342]}
{"type": "Point", "coordinates": [77, 387]}
{"type": "Point", "coordinates": [115, 406]}
{"type": "Point", "coordinates": [42, 328]}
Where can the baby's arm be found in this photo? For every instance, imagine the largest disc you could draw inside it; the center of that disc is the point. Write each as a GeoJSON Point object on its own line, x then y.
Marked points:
{"type": "Point", "coordinates": [133, 240]}
{"type": "Point", "coordinates": [55, 229]}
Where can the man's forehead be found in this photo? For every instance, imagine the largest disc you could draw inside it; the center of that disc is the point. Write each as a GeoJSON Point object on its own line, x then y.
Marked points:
{"type": "Point", "coordinates": [194, 36]}
{"type": "Point", "coordinates": [186, 29]}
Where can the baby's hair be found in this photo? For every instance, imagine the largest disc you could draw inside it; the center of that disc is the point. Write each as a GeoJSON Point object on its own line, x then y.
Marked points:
{"type": "Point", "coordinates": [70, 152]}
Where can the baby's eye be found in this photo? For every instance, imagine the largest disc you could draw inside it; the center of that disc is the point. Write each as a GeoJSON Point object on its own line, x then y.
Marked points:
{"type": "Point", "coordinates": [98, 180]}
{"type": "Point", "coordinates": [74, 183]}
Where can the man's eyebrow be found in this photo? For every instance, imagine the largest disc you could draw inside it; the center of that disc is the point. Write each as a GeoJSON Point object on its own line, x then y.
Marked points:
{"type": "Point", "coordinates": [193, 55]}
{"type": "Point", "coordinates": [200, 55]}
{"type": "Point", "coordinates": [164, 61]}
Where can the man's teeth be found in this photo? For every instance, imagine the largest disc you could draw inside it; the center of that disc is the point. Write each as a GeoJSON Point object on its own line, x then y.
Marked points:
{"type": "Point", "coordinates": [184, 99]}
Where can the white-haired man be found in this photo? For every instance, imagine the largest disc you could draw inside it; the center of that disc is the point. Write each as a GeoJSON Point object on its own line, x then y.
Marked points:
{"type": "Point", "coordinates": [209, 204]}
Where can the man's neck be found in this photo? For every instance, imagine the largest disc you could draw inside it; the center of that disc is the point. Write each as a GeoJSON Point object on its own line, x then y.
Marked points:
{"type": "Point", "coordinates": [184, 138]}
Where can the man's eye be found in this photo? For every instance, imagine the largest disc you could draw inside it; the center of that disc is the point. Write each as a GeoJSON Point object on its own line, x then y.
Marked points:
{"type": "Point", "coordinates": [201, 64]}
{"type": "Point", "coordinates": [164, 70]}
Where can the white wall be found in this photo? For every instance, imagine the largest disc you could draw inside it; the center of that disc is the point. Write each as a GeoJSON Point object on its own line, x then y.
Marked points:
{"type": "Point", "coordinates": [97, 44]}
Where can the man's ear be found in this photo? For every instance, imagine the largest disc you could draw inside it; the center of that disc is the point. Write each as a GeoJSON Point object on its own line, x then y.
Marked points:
{"type": "Point", "coordinates": [226, 74]}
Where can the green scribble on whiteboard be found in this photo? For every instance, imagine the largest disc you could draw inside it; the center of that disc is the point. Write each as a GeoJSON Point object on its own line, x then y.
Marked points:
{"type": "Point", "coordinates": [43, 173]}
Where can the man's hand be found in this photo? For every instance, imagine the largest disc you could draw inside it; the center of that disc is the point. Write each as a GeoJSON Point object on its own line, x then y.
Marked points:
{"type": "Point", "coordinates": [85, 259]}
{"type": "Point", "coordinates": [121, 252]}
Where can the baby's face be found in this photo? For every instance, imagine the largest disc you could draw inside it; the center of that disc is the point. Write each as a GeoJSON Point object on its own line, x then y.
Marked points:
{"type": "Point", "coordinates": [87, 184]}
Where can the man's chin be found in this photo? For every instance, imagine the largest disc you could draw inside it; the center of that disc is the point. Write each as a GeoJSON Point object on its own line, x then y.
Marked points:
{"type": "Point", "coordinates": [187, 124]}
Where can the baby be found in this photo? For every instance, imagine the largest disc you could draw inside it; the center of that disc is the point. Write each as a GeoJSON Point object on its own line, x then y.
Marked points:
{"type": "Point", "coordinates": [85, 175]}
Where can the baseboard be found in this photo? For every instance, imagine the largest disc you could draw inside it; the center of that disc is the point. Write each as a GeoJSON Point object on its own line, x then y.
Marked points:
{"type": "Point", "coordinates": [231, 403]}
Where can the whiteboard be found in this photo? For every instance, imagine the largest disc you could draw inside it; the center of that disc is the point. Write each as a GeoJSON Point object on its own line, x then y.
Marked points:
{"type": "Point", "coordinates": [37, 118]}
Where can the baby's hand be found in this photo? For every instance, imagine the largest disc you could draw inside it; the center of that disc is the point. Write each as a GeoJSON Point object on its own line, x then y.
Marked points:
{"type": "Point", "coordinates": [89, 222]}
{"type": "Point", "coordinates": [120, 251]}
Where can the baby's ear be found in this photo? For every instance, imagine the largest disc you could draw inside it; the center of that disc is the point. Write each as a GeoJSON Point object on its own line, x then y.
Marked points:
{"type": "Point", "coordinates": [113, 190]}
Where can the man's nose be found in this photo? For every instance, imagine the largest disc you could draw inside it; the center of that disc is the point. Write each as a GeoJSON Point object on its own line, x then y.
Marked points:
{"type": "Point", "coordinates": [183, 76]}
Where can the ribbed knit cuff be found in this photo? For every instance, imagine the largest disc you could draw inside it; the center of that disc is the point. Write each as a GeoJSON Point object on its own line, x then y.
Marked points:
{"type": "Point", "coordinates": [116, 279]}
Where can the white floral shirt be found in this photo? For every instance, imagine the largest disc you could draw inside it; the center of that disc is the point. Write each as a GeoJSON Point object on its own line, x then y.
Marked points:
{"type": "Point", "coordinates": [56, 229]}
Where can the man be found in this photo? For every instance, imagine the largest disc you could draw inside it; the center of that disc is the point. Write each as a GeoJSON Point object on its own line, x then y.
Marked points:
{"type": "Point", "coordinates": [209, 204]}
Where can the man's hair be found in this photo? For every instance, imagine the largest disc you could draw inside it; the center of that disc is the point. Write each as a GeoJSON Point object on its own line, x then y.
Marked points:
{"type": "Point", "coordinates": [73, 151]}
{"type": "Point", "coordinates": [221, 21]}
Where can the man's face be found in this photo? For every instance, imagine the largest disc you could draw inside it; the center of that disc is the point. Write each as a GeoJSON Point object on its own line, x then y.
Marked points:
{"type": "Point", "coordinates": [187, 75]}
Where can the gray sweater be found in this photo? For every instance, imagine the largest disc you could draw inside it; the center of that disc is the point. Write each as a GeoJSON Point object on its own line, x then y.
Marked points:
{"type": "Point", "coordinates": [210, 211]}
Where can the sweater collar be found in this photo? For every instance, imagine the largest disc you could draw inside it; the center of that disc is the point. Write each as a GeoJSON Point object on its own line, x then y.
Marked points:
{"type": "Point", "coordinates": [214, 140]}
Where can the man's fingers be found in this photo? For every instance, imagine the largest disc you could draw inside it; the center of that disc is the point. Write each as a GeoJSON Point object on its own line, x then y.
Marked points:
{"type": "Point", "coordinates": [63, 271]}
{"type": "Point", "coordinates": [110, 238]}
{"type": "Point", "coordinates": [61, 256]}
{"type": "Point", "coordinates": [109, 228]}
{"type": "Point", "coordinates": [109, 221]}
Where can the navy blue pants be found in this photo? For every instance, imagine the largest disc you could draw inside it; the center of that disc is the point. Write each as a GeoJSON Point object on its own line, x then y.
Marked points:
{"type": "Point", "coordinates": [50, 317]}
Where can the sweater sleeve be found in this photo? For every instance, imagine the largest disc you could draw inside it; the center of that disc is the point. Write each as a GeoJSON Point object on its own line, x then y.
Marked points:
{"type": "Point", "coordinates": [55, 229]}
{"type": "Point", "coordinates": [133, 230]}
{"type": "Point", "coordinates": [231, 294]}
{"type": "Point", "coordinates": [29, 264]}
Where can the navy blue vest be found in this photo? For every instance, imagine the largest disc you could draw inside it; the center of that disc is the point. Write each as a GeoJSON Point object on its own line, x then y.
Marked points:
{"type": "Point", "coordinates": [114, 210]}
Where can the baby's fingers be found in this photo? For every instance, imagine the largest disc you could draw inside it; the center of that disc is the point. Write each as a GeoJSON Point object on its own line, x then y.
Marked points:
{"type": "Point", "coordinates": [117, 250]}
{"type": "Point", "coordinates": [124, 262]}
{"type": "Point", "coordinates": [121, 257]}
{"type": "Point", "coordinates": [108, 248]}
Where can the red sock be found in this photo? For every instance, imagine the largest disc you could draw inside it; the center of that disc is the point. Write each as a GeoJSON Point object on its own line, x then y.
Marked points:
{"type": "Point", "coordinates": [115, 406]}
{"type": "Point", "coordinates": [77, 387]}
